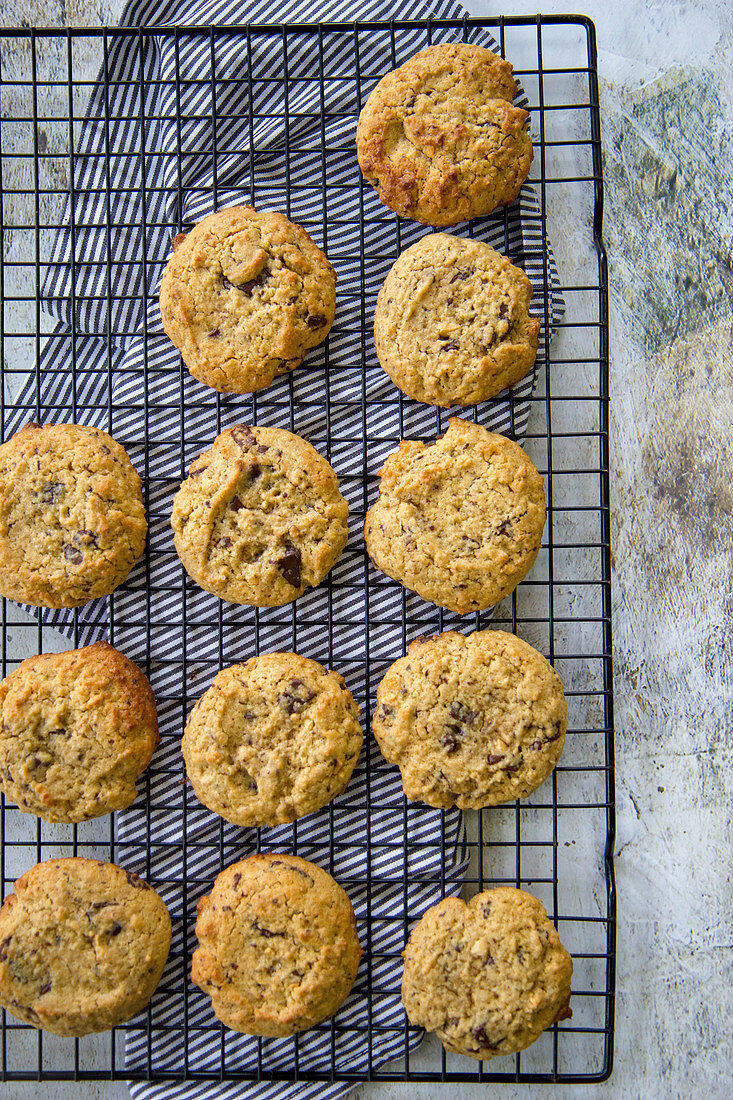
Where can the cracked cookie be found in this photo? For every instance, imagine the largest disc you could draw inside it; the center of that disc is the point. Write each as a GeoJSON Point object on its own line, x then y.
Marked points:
{"type": "Point", "coordinates": [471, 721]}
{"type": "Point", "coordinates": [278, 950]}
{"type": "Point", "coordinates": [440, 139]}
{"type": "Point", "coordinates": [260, 517]}
{"type": "Point", "coordinates": [272, 739]}
{"type": "Point", "coordinates": [82, 946]}
{"type": "Point", "coordinates": [244, 296]}
{"type": "Point", "coordinates": [488, 976]}
{"type": "Point", "coordinates": [452, 323]}
{"type": "Point", "coordinates": [72, 520]}
{"type": "Point", "coordinates": [458, 521]}
{"type": "Point", "coordinates": [77, 729]}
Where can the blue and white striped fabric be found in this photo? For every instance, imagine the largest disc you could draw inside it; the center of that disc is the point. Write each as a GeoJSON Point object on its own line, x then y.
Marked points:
{"type": "Point", "coordinates": [144, 167]}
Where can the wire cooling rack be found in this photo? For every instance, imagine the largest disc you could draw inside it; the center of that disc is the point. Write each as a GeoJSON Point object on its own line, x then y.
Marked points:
{"type": "Point", "coordinates": [558, 843]}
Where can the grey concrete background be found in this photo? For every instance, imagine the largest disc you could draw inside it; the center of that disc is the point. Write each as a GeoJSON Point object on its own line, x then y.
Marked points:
{"type": "Point", "coordinates": [666, 116]}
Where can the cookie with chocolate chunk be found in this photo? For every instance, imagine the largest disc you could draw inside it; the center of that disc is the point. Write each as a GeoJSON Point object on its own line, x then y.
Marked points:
{"type": "Point", "coordinates": [278, 950]}
{"type": "Point", "coordinates": [471, 720]}
{"type": "Point", "coordinates": [458, 521]}
{"type": "Point", "coordinates": [260, 517]}
{"type": "Point", "coordinates": [72, 519]}
{"type": "Point", "coordinates": [272, 739]}
{"type": "Point", "coordinates": [452, 323]}
{"type": "Point", "coordinates": [244, 296]}
{"type": "Point", "coordinates": [440, 138]}
{"type": "Point", "coordinates": [488, 977]}
{"type": "Point", "coordinates": [82, 946]}
{"type": "Point", "coordinates": [76, 731]}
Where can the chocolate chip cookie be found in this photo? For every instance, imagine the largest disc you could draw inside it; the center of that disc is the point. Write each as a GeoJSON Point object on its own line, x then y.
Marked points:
{"type": "Point", "coordinates": [452, 323]}
{"type": "Point", "coordinates": [471, 721]}
{"type": "Point", "coordinates": [278, 950]}
{"type": "Point", "coordinates": [440, 139]}
{"type": "Point", "coordinates": [260, 517]}
{"type": "Point", "coordinates": [488, 977]}
{"type": "Point", "coordinates": [458, 521]}
{"type": "Point", "coordinates": [244, 296]}
{"type": "Point", "coordinates": [82, 946]}
{"type": "Point", "coordinates": [76, 731]}
{"type": "Point", "coordinates": [72, 520]}
{"type": "Point", "coordinates": [272, 739]}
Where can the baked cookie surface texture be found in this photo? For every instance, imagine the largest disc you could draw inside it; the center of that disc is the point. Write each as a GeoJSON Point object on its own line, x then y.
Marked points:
{"type": "Point", "coordinates": [278, 950]}
{"type": "Point", "coordinates": [440, 138]}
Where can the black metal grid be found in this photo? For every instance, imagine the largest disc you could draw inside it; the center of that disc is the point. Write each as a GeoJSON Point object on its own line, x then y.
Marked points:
{"type": "Point", "coordinates": [564, 606]}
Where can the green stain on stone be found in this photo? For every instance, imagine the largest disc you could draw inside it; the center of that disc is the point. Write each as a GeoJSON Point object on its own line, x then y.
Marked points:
{"type": "Point", "coordinates": [668, 163]}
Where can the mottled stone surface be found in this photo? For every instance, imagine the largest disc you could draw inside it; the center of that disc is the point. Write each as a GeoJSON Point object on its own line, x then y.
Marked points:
{"type": "Point", "coordinates": [667, 106]}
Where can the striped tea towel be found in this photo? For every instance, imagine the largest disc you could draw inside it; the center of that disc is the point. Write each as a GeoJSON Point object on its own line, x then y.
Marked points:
{"type": "Point", "coordinates": [172, 134]}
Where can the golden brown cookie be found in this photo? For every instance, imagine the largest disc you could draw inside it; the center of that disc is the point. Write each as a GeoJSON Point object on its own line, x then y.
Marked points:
{"type": "Point", "coordinates": [458, 521]}
{"type": "Point", "coordinates": [82, 946]}
{"type": "Point", "coordinates": [272, 739]}
{"type": "Point", "coordinates": [72, 520]}
{"type": "Point", "coordinates": [278, 950]}
{"type": "Point", "coordinates": [244, 296]}
{"type": "Point", "coordinates": [452, 323]}
{"type": "Point", "coordinates": [488, 977]}
{"type": "Point", "coordinates": [260, 517]}
{"type": "Point", "coordinates": [471, 721]}
{"type": "Point", "coordinates": [440, 139]}
{"type": "Point", "coordinates": [76, 731]}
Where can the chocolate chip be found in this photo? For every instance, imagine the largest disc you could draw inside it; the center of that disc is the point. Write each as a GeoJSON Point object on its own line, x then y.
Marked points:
{"type": "Point", "coordinates": [511, 768]}
{"type": "Point", "coordinates": [452, 345]}
{"type": "Point", "coordinates": [503, 310]}
{"type": "Point", "coordinates": [45, 988]}
{"type": "Point", "coordinates": [52, 493]}
{"type": "Point", "coordinates": [316, 320]}
{"type": "Point", "coordinates": [215, 332]}
{"type": "Point", "coordinates": [136, 881]}
{"type": "Point", "coordinates": [461, 275]}
{"type": "Point", "coordinates": [178, 240]}
{"type": "Point", "coordinates": [266, 932]}
{"type": "Point", "coordinates": [449, 741]}
{"type": "Point", "coordinates": [115, 929]}
{"type": "Point", "coordinates": [235, 880]}
{"type": "Point", "coordinates": [462, 713]}
{"type": "Point", "coordinates": [73, 555]}
{"type": "Point", "coordinates": [495, 757]}
{"type": "Point", "coordinates": [289, 566]}
{"type": "Point", "coordinates": [89, 536]}
{"type": "Point", "coordinates": [385, 712]}
{"type": "Point", "coordinates": [244, 437]}
{"type": "Point", "coordinates": [504, 526]}
{"type": "Point", "coordinates": [235, 504]}
{"type": "Point", "coordinates": [483, 1040]}
{"type": "Point", "coordinates": [296, 696]}
{"type": "Point", "coordinates": [4, 948]}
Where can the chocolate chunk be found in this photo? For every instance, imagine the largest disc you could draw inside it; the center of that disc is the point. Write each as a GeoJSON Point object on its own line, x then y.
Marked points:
{"type": "Point", "coordinates": [520, 956]}
{"type": "Point", "coordinates": [89, 536]}
{"type": "Point", "coordinates": [296, 696]}
{"type": "Point", "coordinates": [289, 566]}
{"type": "Point", "coordinates": [461, 275]}
{"type": "Point", "coordinates": [73, 555]}
{"type": "Point", "coordinates": [178, 240]}
{"type": "Point", "coordinates": [266, 932]}
{"type": "Point", "coordinates": [250, 474]}
{"type": "Point", "coordinates": [52, 493]}
{"type": "Point", "coordinates": [58, 733]}
{"type": "Point", "coordinates": [536, 746]}
{"type": "Point", "coordinates": [295, 870]}
{"type": "Point", "coordinates": [45, 988]}
{"type": "Point", "coordinates": [462, 713]}
{"type": "Point", "coordinates": [385, 712]}
{"type": "Point", "coordinates": [215, 332]}
{"type": "Point", "coordinates": [495, 757]}
{"type": "Point", "coordinates": [504, 526]}
{"type": "Point", "coordinates": [503, 310]}
{"type": "Point", "coordinates": [235, 504]}
{"type": "Point", "coordinates": [316, 320]}
{"type": "Point", "coordinates": [244, 437]}
{"type": "Point", "coordinates": [449, 741]}
{"type": "Point", "coordinates": [115, 929]}
{"type": "Point", "coordinates": [224, 541]}
{"type": "Point", "coordinates": [511, 768]}
{"type": "Point", "coordinates": [564, 1013]}
{"type": "Point", "coordinates": [4, 948]}
{"type": "Point", "coordinates": [554, 736]}
{"type": "Point", "coordinates": [136, 881]}
{"type": "Point", "coordinates": [483, 1040]}
{"type": "Point", "coordinates": [235, 880]}
{"type": "Point", "coordinates": [249, 286]}
{"type": "Point", "coordinates": [452, 345]}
